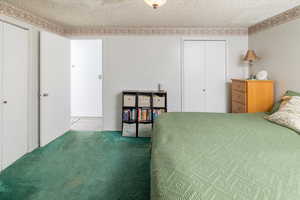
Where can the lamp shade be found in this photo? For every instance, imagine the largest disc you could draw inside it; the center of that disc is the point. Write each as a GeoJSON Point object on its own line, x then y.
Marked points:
{"type": "Point", "coordinates": [250, 56]}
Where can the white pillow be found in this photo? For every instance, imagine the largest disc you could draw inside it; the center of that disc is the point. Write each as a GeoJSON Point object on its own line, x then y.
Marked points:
{"type": "Point", "coordinates": [288, 114]}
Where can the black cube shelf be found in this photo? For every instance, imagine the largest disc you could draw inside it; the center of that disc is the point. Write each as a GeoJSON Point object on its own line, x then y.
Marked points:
{"type": "Point", "coordinates": [140, 109]}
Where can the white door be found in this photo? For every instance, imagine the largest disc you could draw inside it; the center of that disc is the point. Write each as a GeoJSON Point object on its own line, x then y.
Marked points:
{"type": "Point", "coordinates": [86, 78]}
{"type": "Point", "coordinates": [55, 87]}
{"type": "Point", "coordinates": [204, 76]}
{"type": "Point", "coordinates": [215, 78]}
{"type": "Point", "coordinates": [1, 96]}
{"type": "Point", "coordinates": [14, 95]}
{"type": "Point", "coordinates": [194, 81]}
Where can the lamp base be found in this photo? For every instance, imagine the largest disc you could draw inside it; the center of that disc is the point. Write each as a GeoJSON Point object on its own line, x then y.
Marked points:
{"type": "Point", "coordinates": [252, 77]}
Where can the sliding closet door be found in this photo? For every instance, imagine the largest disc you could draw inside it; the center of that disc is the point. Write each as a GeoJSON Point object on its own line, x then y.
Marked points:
{"type": "Point", "coordinates": [193, 76]}
{"type": "Point", "coordinates": [204, 70]}
{"type": "Point", "coordinates": [55, 86]}
{"type": "Point", "coordinates": [215, 76]}
{"type": "Point", "coordinates": [14, 73]}
{"type": "Point", "coordinates": [1, 96]}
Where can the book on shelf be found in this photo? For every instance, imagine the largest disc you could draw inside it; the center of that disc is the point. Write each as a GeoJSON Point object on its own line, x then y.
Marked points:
{"type": "Point", "coordinates": [157, 112]}
{"type": "Point", "coordinates": [129, 114]}
{"type": "Point", "coordinates": [144, 114]}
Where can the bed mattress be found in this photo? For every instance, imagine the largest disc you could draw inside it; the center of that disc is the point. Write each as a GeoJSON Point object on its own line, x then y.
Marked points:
{"type": "Point", "coordinates": [209, 156]}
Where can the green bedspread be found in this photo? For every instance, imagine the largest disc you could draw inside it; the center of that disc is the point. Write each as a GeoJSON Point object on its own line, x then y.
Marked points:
{"type": "Point", "coordinates": [206, 156]}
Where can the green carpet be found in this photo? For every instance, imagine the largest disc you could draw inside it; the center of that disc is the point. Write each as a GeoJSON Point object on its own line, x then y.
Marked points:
{"type": "Point", "coordinates": [81, 166]}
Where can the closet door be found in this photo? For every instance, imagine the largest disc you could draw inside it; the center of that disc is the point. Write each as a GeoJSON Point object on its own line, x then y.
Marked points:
{"type": "Point", "coordinates": [1, 96]}
{"type": "Point", "coordinates": [215, 66]}
{"type": "Point", "coordinates": [14, 84]}
{"type": "Point", "coordinates": [193, 77]}
{"type": "Point", "coordinates": [204, 71]}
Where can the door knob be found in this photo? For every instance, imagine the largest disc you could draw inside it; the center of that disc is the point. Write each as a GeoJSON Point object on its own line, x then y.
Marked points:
{"type": "Point", "coordinates": [204, 90]}
{"type": "Point", "coordinates": [5, 102]}
{"type": "Point", "coordinates": [45, 95]}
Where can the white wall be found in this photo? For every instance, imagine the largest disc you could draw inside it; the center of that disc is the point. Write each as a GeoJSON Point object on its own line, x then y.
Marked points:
{"type": "Point", "coordinates": [138, 63]}
{"type": "Point", "coordinates": [279, 50]}
{"type": "Point", "coordinates": [33, 86]}
{"type": "Point", "coordinates": [141, 62]}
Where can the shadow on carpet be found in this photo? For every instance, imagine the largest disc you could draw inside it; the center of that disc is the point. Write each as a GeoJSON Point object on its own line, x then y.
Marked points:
{"type": "Point", "coordinates": [81, 166]}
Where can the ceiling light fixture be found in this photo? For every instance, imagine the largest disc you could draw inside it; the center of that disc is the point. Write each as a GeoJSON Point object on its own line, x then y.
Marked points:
{"type": "Point", "coordinates": [155, 3]}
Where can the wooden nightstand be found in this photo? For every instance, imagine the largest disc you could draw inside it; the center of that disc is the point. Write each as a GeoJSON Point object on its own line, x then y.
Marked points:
{"type": "Point", "coordinates": [250, 96]}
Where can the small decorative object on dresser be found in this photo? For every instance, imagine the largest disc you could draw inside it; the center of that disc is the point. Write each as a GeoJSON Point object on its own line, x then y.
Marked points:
{"type": "Point", "coordinates": [262, 75]}
{"type": "Point", "coordinates": [250, 96]}
{"type": "Point", "coordinates": [140, 109]}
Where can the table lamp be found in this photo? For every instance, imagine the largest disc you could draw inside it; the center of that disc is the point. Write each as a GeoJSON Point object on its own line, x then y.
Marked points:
{"type": "Point", "coordinates": [250, 58]}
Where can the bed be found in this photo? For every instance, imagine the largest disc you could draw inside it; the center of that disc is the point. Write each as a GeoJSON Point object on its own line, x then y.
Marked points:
{"type": "Point", "coordinates": [209, 156]}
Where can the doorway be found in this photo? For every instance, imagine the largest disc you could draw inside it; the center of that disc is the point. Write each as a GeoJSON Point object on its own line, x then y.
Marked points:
{"type": "Point", "coordinates": [86, 85]}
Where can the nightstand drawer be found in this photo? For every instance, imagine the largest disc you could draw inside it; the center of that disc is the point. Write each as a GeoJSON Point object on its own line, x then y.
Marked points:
{"type": "Point", "coordinates": [238, 108]}
{"type": "Point", "coordinates": [239, 97]}
{"type": "Point", "coordinates": [239, 86]}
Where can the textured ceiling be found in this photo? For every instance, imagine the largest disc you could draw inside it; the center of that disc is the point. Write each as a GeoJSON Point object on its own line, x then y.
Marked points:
{"type": "Point", "coordinates": [175, 13]}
